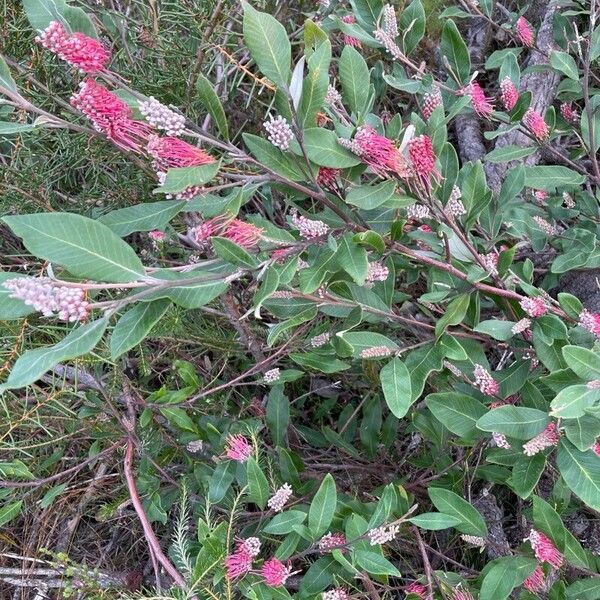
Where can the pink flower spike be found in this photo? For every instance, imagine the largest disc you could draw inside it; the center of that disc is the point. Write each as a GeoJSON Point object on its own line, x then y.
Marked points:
{"type": "Point", "coordinates": [525, 32]}
{"type": "Point", "coordinates": [110, 115]}
{"type": "Point", "coordinates": [534, 307]}
{"type": "Point", "coordinates": [510, 94]}
{"type": "Point", "coordinates": [485, 382]}
{"type": "Point", "coordinates": [239, 563]}
{"type": "Point", "coordinates": [348, 39]}
{"type": "Point", "coordinates": [275, 573]}
{"type": "Point", "coordinates": [481, 103]}
{"type": "Point", "coordinates": [548, 438]}
{"type": "Point", "coordinates": [544, 549]}
{"type": "Point", "coordinates": [590, 321]}
{"type": "Point", "coordinates": [280, 498]}
{"type": "Point", "coordinates": [237, 448]}
{"type": "Point", "coordinates": [422, 157]}
{"type": "Point", "coordinates": [536, 124]}
{"type": "Point", "coordinates": [172, 152]}
{"type": "Point", "coordinates": [567, 112]}
{"type": "Point", "coordinates": [535, 582]}
{"type": "Point", "coordinates": [430, 102]}
{"type": "Point", "coordinates": [326, 176]}
{"type": "Point", "coordinates": [378, 152]}
{"type": "Point", "coordinates": [416, 589]}
{"type": "Point", "coordinates": [78, 49]}
{"type": "Point", "coordinates": [243, 234]}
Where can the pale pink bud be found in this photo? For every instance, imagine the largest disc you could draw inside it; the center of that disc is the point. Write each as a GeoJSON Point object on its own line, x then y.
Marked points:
{"type": "Point", "coordinates": [337, 594]}
{"type": "Point", "coordinates": [547, 439]}
{"type": "Point", "coordinates": [590, 321]}
{"type": "Point", "coordinates": [536, 124]}
{"type": "Point", "coordinates": [331, 541]}
{"type": "Point", "coordinates": [376, 272]}
{"type": "Point", "coordinates": [546, 227]}
{"type": "Point", "coordinates": [567, 112]}
{"type": "Point", "coordinates": [485, 382]}
{"type": "Point", "coordinates": [162, 117]}
{"type": "Point", "coordinates": [430, 102]}
{"type": "Point", "coordinates": [376, 352]}
{"type": "Point", "coordinates": [309, 229]}
{"type": "Point", "coordinates": [390, 24]}
{"type": "Point", "coordinates": [280, 132]}
{"type": "Point", "coordinates": [416, 589]}
{"type": "Point", "coordinates": [534, 307]}
{"type": "Point", "coordinates": [460, 593]}
{"type": "Point", "coordinates": [474, 540]}
{"type": "Point", "coordinates": [510, 94]}
{"type": "Point", "coordinates": [272, 375]}
{"type": "Point", "coordinates": [501, 441]}
{"type": "Point", "coordinates": [382, 535]}
{"type": "Point", "coordinates": [521, 326]}
{"type": "Point", "coordinates": [454, 207]}
{"type": "Point", "coordinates": [280, 498]}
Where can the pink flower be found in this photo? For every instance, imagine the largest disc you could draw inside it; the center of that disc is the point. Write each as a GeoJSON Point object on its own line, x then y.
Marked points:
{"type": "Point", "coordinates": [567, 112]}
{"type": "Point", "coordinates": [548, 438]}
{"type": "Point", "coordinates": [326, 176]}
{"type": "Point", "coordinates": [213, 226]}
{"type": "Point", "coordinates": [332, 540]}
{"type": "Point", "coordinates": [348, 39]}
{"type": "Point", "coordinates": [481, 103]}
{"type": "Point", "coordinates": [378, 151]}
{"type": "Point", "coordinates": [544, 549]}
{"type": "Point", "coordinates": [510, 94]}
{"type": "Point", "coordinates": [79, 50]}
{"type": "Point", "coordinates": [430, 102]}
{"type": "Point", "coordinates": [590, 321]}
{"type": "Point", "coordinates": [485, 382]}
{"type": "Point", "coordinates": [535, 582]}
{"type": "Point", "coordinates": [172, 152]}
{"type": "Point", "coordinates": [157, 235]}
{"type": "Point", "coordinates": [250, 545]}
{"type": "Point", "coordinates": [422, 157]}
{"type": "Point", "coordinates": [417, 589]}
{"type": "Point", "coordinates": [237, 448]}
{"type": "Point", "coordinates": [110, 115]}
{"type": "Point", "coordinates": [596, 448]}
{"type": "Point", "coordinates": [536, 124]}
{"type": "Point", "coordinates": [534, 307]}
{"type": "Point", "coordinates": [280, 498]}
{"type": "Point", "coordinates": [525, 32]}
{"type": "Point", "coordinates": [243, 234]}
{"type": "Point", "coordinates": [540, 195]}
{"type": "Point", "coordinates": [239, 563]}
{"type": "Point", "coordinates": [275, 573]}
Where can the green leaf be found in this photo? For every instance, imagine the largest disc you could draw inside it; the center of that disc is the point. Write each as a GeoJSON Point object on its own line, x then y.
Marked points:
{"type": "Point", "coordinates": [41, 12]}
{"type": "Point", "coordinates": [455, 50]}
{"type": "Point", "coordinates": [433, 521]}
{"type": "Point", "coordinates": [449, 503]}
{"type": "Point", "coordinates": [273, 158]}
{"type": "Point", "coordinates": [421, 363]}
{"type": "Point", "coordinates": [369, 197]}
{"type": "Point", "coordinates": [232, 253]}
{"type": "Point", "coordinates": [212, 104]}
{"type": "Point", "coordinates": [315, 85]}
{"type": "Point", "coordinates": [278, 415]}
{"type": "Point", "coordinates": [584, 589]}
{"type": "Point", "coordinates": [178, 417]}
{"type": "Point", "coordinates": [352, 258]}
{"type": "Point", "coordinates": [6, 79]}
{"type": "Point", "coordinates": [188, 295]}
{"type": "Point", "coordinates": [457, 412]}
{"type": "Point", "coordinates": [367, 11]}
{"type": "Point", "coordinates": [141, 217]}
{"type": "Point", "coordinates": [499, 330]}
{"type": "Point", "coordinates": [412, 25]}
{"type": "Point", "coordinates": [31, 365]}
{"type": "Point", "coordinates": [10, 512]}
{"type": "Point", "coordinates": [548, 178]}
{"type": "Point", "coordinates": [135, 325]}
{"type": "Point", "coordinates": [277, 330]}
{"type": "Point", "coordinates": [257, 483]}
{"type": "Point", "coordinates": [354, 77]}
{"type": "Point", "coordinates": [396, 384]}
{"type": "Point", "coordinates": [582, 432]}
{"type": "Point", "coordinates": [526, 473]}
{"type": "Point", "coordinates": [506, 574]}
{"type": "Point", "coordinates": [323, 149]}
{"type": "Point", "coordinates": [85, 247]}
{"type": "Point", "coordinates": [286, 522]}
{"type": "Point", "coordinates": [581, 472]}
{"type": "Point", "coordinates": [52, 494]}
{"type": "Point", "coordinates": [374, 563]}
{"type": "Point", "coordinates": [268, 43]}
{"type": "Point", "coordinates": [178, 180]}
{"type": "Point", "coordinates": [570, 304]}
{"type": "Point", "coordinates": [573, 401]}
{"type": "Point", "coordinates": [455, 313]}
{"type": "Point", "coordinates": [372, 239]}
{"type": "Point", "coordinates": [508, 153]}
{"type": "Point", "coordinates": [220, 480]}
{"type": "Point", "coordinates": [11, 308]}
{"type": "Point", "coordinates": [9, 128]}
{"type": "Point", "coordinates": [564, 63]}
{"type": "Point", "coordinates": [322, 507]}
{"type": "Point", "coordinates": [583, 362]}
{"type": "Point", "coordinates": [514, 421]}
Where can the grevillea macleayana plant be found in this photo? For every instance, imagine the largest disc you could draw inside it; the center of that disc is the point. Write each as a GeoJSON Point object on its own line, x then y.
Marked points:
{"type": "Point", "coordinates": [412, 404]}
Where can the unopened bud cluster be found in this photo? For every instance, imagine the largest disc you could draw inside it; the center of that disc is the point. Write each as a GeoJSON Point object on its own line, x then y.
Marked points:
{"type": "Point", "coordinates": [320, 340]}
{"type": "Point", "coordinates": [272, 376]}
{"type": "Point", "coordinates": [382, 535]}
{"type": "Point", "coordinates": [418, 212]}
{"type": "Point", "coordinates": [280, 132]}
{"type": "Point", "coordinates": [162, 117]}
{"type": "Point", "coordinates": [376, 352]}
{"type": "Point", "coordinates": [308, 228]}
{"type": "Point", "coordinates": [50, 298]}
{"type": "Point", "coordinates": [454, 207]}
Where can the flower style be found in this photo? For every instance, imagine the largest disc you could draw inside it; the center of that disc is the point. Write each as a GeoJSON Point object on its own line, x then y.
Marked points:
{"type": "Point", "coordinates": [525, 32]}
{"type": "Point", "coordinates": [548, 438]}
{"type": "Point", "coordinates": [567, 112]}
{"type": "Point", "coordinates": [422, 158]}
{"type": "Point", "coordinates": [510, 94]}
{"type": "Point", "coordinates": [275, 573]}
{"type": "Point", "coordinates": [544, 549]}
{"type": "Point", "coordinates": [326, 177]}
{"type": "Point", "coordinates": [110, 116]}
{"type": "Point", "coordinates": [536, 124]}
{"type": "Point", "coordinates": [246, 235]}
{"type": "Point", "coordinates": [172, 152]}
{"type": "Point", "coordinates": [280, 498]}
{"type": "Point", "coordinates": [535, 582]}
{"type": "Point", "coordinates": [460, 593]}
{"type": "Point", "coordinates": [239, 563]}
{"type": "Point", "coordinates": [238, 448]}
{"type": "Point", "coordinates": [481, 103]}
{"type": "Point", "coordinates": [416, 589]}
{"type": "Point", "coordinates": [78, 49]}
{"type": "Point", "coordinates": [485, 382]}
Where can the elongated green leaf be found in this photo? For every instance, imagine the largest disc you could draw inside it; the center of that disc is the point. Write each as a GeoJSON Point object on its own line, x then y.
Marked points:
{"type": "Point", "coordinates": [34, 363]}
{"type": "Point", "coordinates": [396, 384]}
{"type": "Point", "coordinates": [85, 247]}
{"type": "Point", "coordinates": [9, 128]}
{"type": "Point", "coordinates": [549, 177]}
{"type": "Point", "coordinates": [515, 421]}
{"type": "Point", "coordinates": [499, 330]}
{"type": "Point", "coordinates": [412, 25]}
{"type": "Point", "coordinates": [273, 158]}
{"type": "Point", "coordinates": [258, 485]}
{"type": "Point", "coordinates": [564, 63]}
{"type": "Point", "coordinates": [572, 402]}
{"type": "Point", "coordinates": [352, 258]}
{"type": "Point", "coordinates": [455, 50]}
{"type": "Point", "coordinates": [506, 574]}
{"type": "Point", "coordinates": [375, 564]}
{"type": "Point", "coordinates": [211, 102]}
{"type": "Point", "coordinates": [135, 325]}
{"type": "Point", "coordinates": [433, 521]}
{"type": "Point", "coordinates": [449, 503]}
{"type": "Point", "coordinates": [368, 11]}
{"type": "Point", "coordinates": [6, 79]}
{"type": "Point", "coordinates": [220, 480]}
{"type": "Point", "coordinates": [315, 85]}
{"type": "Point", "coordinates": [41, 12]}
{"type": "Point", "coordinates": [369, 197]}
{"type": "Point", "coordinates": [582, 361]}
{"type": "Point", "coordinates": [526, 473]}
{"type": "Point", "coordinates": [584, 589]}
{"type": "Point", "coordinates": [582, 432]}
{"type": "Point", "coordinates": [141, 217]}
{"type": "Point", "coordinates": [178, 417]}
{"type": "Point", "coordinates": [581, 472]}
{"type": "Point", "coordinates": [458, 412]}
{"type": "Point", "coordinates": [323, 149]}
{"type": "Point", "coordinates": [508, 153]}
{"type": "Point", "coordinates": [178, 180]}
{"type": "Point", "coordinates": [285, 522]}
{"type": "Point", "coordinates": [9, 512]}
{"type": "Point", "coordinates": [232, 253]}
{"type": "Point", "coordinates": [268, 43]}
{"type": "Point", "coordinates": [354, 76]}
{"type": "Point", "coordinates": [455, 313]}
{"type": "Point", "coordinates": [322, 507]}
{"type": "Point", "coordinates": [278, 415]}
